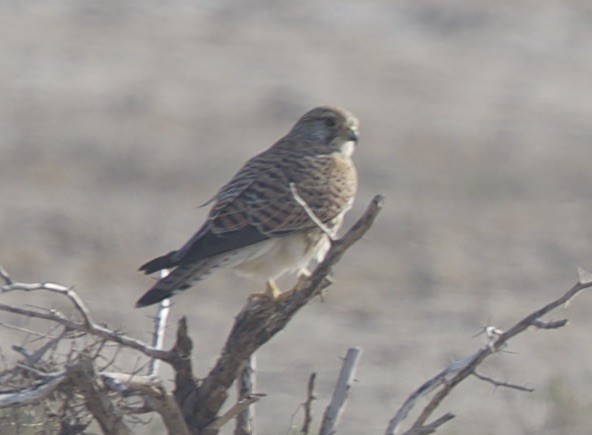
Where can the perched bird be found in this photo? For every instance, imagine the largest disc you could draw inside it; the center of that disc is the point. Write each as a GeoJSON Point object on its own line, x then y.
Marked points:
{"type": "Point", "coordinates": [277, 213]}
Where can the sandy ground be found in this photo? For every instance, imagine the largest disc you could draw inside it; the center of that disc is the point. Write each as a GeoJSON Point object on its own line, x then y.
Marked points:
{"type": "Point", "coordinates": [118, 119]}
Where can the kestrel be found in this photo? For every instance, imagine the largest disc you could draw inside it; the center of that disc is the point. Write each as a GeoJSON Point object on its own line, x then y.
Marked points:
{"type": "Point", "coordinates": [277, 213]}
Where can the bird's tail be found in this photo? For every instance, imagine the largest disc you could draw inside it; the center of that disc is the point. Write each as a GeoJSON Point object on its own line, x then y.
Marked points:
{"type": "Point", "coordinates": [180, 278]}
{"type": "Point", "coordinates": [163, 262]}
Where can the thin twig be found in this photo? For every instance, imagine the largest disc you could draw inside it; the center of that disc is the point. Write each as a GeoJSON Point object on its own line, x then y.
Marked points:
{"type": "Point", "coordinates": [313, 217]}
{"type": "Point", "coordinates": [307, 405]}
{"type": "Point", "coordinates": [54, 288]}
{"type": "Point", "coordinates": [234, 410]}
{"type": "Point", "coordinates": [5, 276]}
{"type": "Point", "coordinates": [39, 373]}
{"type": "Point", "coordinates": [246, 386]}
{"type": "Point", "coordinates": [344, 382]}
{"type": "Point", "coordinates": [502, 384]}
{"type": "Point", "coordinates": [171, 414]}
{"type": "Point", "coordinates": [93, 329]}
{"type": "Point", "coordinates": [34, 393]}
{"type": "Point", "coordinates": [38, 354]}
{"type": "Point", "coordinates": [427, 387]}
{"type": "Point", "coordinates": [549, 325]}
{"type": "Point", "coordinates": [26, 330]}
{"type": "Point", "coordinates": [430, 428]}
{"type": "Point", "coordinates": [160, 321]}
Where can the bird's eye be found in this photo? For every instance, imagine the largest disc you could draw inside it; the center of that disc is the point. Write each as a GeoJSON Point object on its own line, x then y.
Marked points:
{"type": "Point", "coordinates": [330, 122]}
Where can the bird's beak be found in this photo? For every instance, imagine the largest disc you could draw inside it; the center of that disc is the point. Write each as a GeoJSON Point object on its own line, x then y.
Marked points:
{"type": "Point", "coordinates": [353, 135]}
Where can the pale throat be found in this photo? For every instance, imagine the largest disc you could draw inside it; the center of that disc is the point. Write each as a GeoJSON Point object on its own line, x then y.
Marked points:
{"type": "Point", "coordinates": [348, 147]}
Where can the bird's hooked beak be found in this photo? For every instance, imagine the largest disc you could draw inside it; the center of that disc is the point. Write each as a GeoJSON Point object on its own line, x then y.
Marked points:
{"type": "Point", "coordinates": [353, 135]}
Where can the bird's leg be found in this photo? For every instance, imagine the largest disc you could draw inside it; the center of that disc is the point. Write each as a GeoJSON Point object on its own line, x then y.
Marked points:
{"type": "Point", "coordinates": [272, 291]}
{"type": "Point", "coordinates": [302, 275]}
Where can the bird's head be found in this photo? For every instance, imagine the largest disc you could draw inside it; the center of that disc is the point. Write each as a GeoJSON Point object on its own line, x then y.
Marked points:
{"type": "Point", "coordinates": [333, 128]}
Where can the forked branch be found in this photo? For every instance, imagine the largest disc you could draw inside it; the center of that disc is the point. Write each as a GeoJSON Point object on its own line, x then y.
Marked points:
{"type": "Point", "coordinates": [458, 371]}
{"type": "Point", "coordinates": [261, 320]}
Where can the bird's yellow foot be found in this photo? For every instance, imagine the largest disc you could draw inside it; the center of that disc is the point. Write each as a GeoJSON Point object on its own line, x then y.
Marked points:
{"type": "Point", "coordinates": [272, 292]}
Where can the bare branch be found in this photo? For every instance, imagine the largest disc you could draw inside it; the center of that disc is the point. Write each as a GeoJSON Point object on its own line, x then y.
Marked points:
{"type": "Point", "coordinates": [502, 384]}
{"type": "Point", "coordinates": [39, 373]}
{"type": "Point", "coordinates": [83, 375]}
{"type": "Point", "coordinates": [198, 403]}
{"type": "Point", "coordinates": [157, 398]}
{"type": "Point", "coordinates": [5, 276]}
{"type": "Point", "coordinates": [584, 277]}
{"type": "Point", "coordinates": [460, 370]}
{"type": "Point", "coordinates": [430, 428]}
{"type": "Point", "coordinates": [127, 384]}
{"type": "Point", "coordinates": [246, 386]}
{"type": "Point", "coordinates": [171, 414]}
{"type": "Point", "coordinates": [344, 382]}
{"type": "Point", "coordinates": [93, 329]}
{"type": "Point", "coordinates": [184, 381]}
{"type": "Point", "coordinates": [38, 354]}
{"type": "Point", "coordinates": [88, 325]}
{"type": "Point", "coordinates": [310, 396]}
{"type": "Point", "coordinates": [550, 325]}
{"type": "Point", "coordinates": [160, 321]}
{"type": "Point", "coordinates": [427, 387]}
{"type": "Point", "coordinates": [257, 323]}
{"type": "Point", "coordinates": [32, 394]}
{"type": "Point", "coordinates": [26, 330]}
{"type": "Point", "coordinates": [54, 288]}
{"type": "Point", "coordinates": [235, 410]}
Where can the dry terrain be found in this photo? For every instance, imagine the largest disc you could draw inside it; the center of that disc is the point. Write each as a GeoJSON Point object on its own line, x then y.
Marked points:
{"type": "Point", "coordinates": [118, 118]}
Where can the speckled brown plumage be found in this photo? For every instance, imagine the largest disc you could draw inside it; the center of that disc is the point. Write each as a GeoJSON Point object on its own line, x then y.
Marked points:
{"type": "Point", "coordinates": [256, 224]}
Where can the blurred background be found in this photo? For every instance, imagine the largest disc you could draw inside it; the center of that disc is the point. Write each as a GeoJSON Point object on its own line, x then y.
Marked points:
{"type": "Point", "coordinates": [118, 118]}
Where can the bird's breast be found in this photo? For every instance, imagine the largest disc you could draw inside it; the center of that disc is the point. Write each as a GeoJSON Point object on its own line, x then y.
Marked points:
{"type": "Point", "coordinates": [281, 255]}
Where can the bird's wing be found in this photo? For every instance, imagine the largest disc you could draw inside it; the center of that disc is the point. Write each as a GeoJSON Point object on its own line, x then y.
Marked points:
{"type": "Point", "coordinates": [259, 203]}
{"type": "Point", "coordinates": [206, 243]}
{"type": "Point", "coordinates": [325, 183]}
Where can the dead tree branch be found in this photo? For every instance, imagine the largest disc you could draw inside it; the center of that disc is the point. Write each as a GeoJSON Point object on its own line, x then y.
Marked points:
{"type": "Point", "coordinates": [160, 322]}
{"type": "Point", "coordinates": [32, 394]}
{"type": "Point", "coordinates": [79, 372]}
{"type": "Point", "coordinates": [344, 382]}
{"type": "Point", "coordinates": [502, 384]}
{"type": "Point", "coordinates": [257, 323]}
{"type": "Point", "coordinates": [310, 396]}
{"type": "Point", "coordinates": [236, 409]}
{"type": "Point", "coordinates": [88, 325]}
{"type": "Point", "coordinates": [430, 428]}
{"type": "Point", "coordinates": [246, 385]}
{"type": "Point", "coordinates": [200, 402]}
{"type": "Point", "coordinates": [109, 417]}
{"type": "Point", "coordinates": [458, 371]}
{"type": "Point", "coordinates": [194, 406]}
{"type": "Point", "coordinates": [157, 398]}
